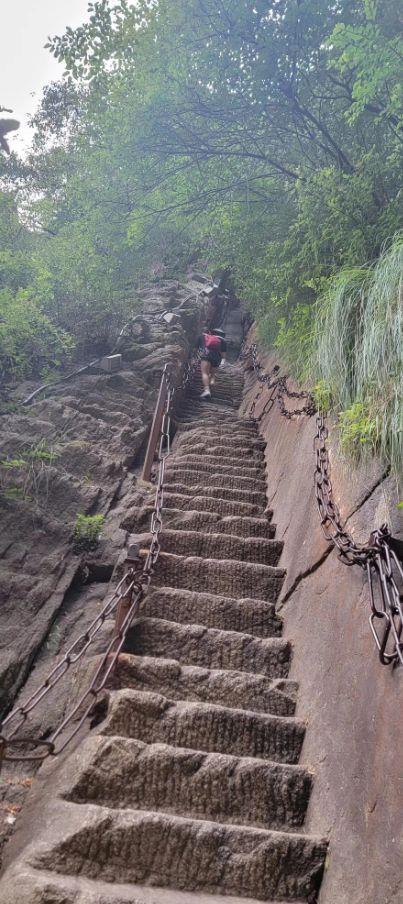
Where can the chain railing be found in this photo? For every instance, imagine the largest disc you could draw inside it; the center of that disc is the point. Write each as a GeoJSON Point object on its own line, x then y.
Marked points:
{"type": "Point", "coordinates": [124, 605]}
{"type": "Point", "coordinates": [381, 557]}
{"type": "Point", "coordinates": [279, 385]}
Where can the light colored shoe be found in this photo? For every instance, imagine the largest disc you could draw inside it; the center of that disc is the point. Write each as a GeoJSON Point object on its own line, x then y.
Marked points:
{"type": "Point", "coordinates": [206, 394]}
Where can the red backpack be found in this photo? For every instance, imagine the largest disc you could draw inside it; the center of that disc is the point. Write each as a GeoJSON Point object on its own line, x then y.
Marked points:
{"type": "Point", "coordinates": [212, 342]}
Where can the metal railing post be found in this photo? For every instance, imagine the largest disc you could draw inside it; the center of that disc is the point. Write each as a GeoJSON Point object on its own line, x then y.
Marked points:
{"type": "Point", "coordinates": [156, 424]}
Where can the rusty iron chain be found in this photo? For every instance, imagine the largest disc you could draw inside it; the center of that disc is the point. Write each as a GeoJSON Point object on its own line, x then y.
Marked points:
{"type": "Point", "coordinates": [130, 589]}
{"type": "Point", "coordinates": [381, 557]}
{"type": "Point", "coordinates": [279, 385]}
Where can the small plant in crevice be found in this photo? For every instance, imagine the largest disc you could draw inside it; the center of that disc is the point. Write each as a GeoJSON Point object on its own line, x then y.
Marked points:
{"type": "Point", "coordinates": [30, 473]}
{"type": "Point", "coordinates": [87, 531]}
{"type": "Point", "coordinates": [322, 396]}
{"type": "Point", "coordinates": [358, 430]}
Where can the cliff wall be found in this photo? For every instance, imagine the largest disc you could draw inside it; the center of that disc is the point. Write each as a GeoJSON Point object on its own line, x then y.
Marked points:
{"type": "Point", "coordinates": [75, 449]}
{"type": "Point", "coordinates": [350, 701]}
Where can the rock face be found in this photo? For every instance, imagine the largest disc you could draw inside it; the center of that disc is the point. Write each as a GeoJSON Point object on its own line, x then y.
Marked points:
{"type": "Point", "coordinates": [190, 786]}
{"type": "Point", "coordinates": [354, 742]}
{"type": "Point", "coordinates": [75, 451]}
{"type": "Point", "coordinates": [71, 452]}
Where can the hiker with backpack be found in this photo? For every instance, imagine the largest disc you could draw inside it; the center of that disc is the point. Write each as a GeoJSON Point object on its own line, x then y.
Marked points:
{"type": "Point", "coordinates": [212, 350]}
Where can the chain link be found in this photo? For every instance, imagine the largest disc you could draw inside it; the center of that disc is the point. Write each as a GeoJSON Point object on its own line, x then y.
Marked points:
{"type": "Point", "coordinates": [381, 557]}
{"type": "Point", "coordinates": [279, 385]}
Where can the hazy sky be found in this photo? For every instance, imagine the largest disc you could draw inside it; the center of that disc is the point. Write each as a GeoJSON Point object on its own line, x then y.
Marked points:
{"type": "Point", "coordinates": [25, 67]}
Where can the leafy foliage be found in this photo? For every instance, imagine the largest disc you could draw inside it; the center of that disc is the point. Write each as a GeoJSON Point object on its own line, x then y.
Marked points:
{"type": "Point", "coordinates": [87, 531]}
{"type": "Point", "coordinates": [265, 135]}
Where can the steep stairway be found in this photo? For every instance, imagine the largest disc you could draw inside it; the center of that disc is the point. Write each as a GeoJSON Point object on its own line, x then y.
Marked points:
{"type": "Point", "coordinates": [191, 788]}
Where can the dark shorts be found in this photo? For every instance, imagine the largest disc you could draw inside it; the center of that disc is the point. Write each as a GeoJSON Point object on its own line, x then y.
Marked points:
{"type": "Point", "coordinates": [213, 357]}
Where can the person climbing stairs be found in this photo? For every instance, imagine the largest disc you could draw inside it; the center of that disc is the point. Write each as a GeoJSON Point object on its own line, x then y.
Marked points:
{"type": "Point", "coordinates": [190, 789]}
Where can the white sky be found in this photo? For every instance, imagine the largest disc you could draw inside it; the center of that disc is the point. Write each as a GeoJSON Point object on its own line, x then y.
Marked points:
{"type": "Point", "coordinates": [25, 67]}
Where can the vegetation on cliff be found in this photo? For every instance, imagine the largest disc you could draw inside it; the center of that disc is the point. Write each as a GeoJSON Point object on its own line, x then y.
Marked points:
{"type": "Point", "coordinates": [264, 136]}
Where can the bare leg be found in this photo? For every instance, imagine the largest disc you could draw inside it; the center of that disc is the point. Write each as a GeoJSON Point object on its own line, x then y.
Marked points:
{"type": "Point", "coordinates": [205, 373]}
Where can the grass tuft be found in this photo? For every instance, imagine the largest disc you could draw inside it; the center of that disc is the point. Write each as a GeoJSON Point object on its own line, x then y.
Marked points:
{"type": "Point", "coordinates": [358, 353]}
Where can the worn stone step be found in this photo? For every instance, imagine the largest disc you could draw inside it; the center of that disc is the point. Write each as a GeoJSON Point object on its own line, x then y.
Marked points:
{"type": "Point", "coordinates": [210, 503]}
{"type": "Point", "coordinates": [218, 398]}
{"type": "Point", "coordinates": [209, 647]}
{"type": "Point", "coordinates": [189, 607]}
{"type": "Point", "coordinates": [222, 414]}
{"type": "Point", "coordinates": [226, 393]}
{"type": "Point", "coordinates": [40, 887]}
{"type": "Point", "coordinates": [203, 464]}
{"type": "Point", "coordinates": [221, 546]}
{"type": "Point", "coordinates": [198, 429]}
{"type": "Point", "coordinates": [178, 852]}
{"type": "Point", "coordinates": [236, 690]}
{"type": "Point", "coordinates": [129, 774]}
{"type": "Point", "coordinates": [187, 444]}
{"type": "Point", "coordinates": [154, 718]}
{"type": "Point", "coordinates": [229, 439]}
{"type": "Point", "coordinates": [219, 406]}
{"type": "Point", "coordinates": [234, 383]}
{"type": "Point", "coordinates": [210, 522]}
{"type": "Point", "coordinates": [217, 487]}
{"type": "Point", "coordinates": [190, 475]}
{"type": "Point", "coordinates": [215, 443]}
{"type": "Point", "coordinates": [224, 576]}
{"type": "Point", "coordinates": [220, 427]}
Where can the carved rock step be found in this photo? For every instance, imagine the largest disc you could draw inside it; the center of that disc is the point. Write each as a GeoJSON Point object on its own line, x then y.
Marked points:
{"type": "Point", "coordinates": [227, 577]}
{"type": "Point", "coordinates": [214, 443]}
{"type": "Point", "coordinates": [225, 432]}
{"type": "Point", "coordinates": [199, 426]}
{"type": "Point", "coordinates": [236, 690]}
{"type": "Point", "coordinates": [215, 407]}
{"type": "Point", "coordinates": [211, 522]}
{"type": "Point", "coordinates": [222, 404]}
{"type": "Point", "coordinates": [210, 503]}
{"type": "Point", "coordinates": [209, 647]}
{"type": "Point", "coordinates": [228, 390]}
{"type": "Point", "coordinates": [221, 546]}
{"type": "Point", "coordinates": [44, 888]}
{"type": "Point", "coordinates": [128, 774]}
{"type": "Point", "coordinates": [213, 432]}
{"type": "Point", "coordinates": [219, 398]}
{"type": "Point", "coordinates": [217, 487]}
{"type": "Point", "coordinates": [206, 464]}
{"type": "Point", "coordinates": [189, 607]}
{"type": "Point", "coordinates": [157, 848]}
{"type": "Point", "coordinates": [153, 718]}
{"type": "Point", "coordinates": [208, 448]}
{"type": "Point", "coordinates": [225, 395]}
{"type": "Point", "coordinates": [231, 385]}
{"type": "Point", "coordinates": [226, 427]}
{"type": "Point", "coordinates": [190, 475]}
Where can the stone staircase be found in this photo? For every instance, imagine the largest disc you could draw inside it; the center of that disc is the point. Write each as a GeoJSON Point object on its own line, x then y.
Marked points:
{"type": "Point", "coordinates": [190, 789]}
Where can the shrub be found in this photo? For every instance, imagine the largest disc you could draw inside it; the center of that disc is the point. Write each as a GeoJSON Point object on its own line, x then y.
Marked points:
{"type": "Point", "coordinates": [87, 531]}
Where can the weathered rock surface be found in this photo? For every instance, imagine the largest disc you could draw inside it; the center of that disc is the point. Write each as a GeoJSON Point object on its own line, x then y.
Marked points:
{"type": "Point", "coordinates": [74, 451]}
{"type": "Point", "coordinates": [354, 740]}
